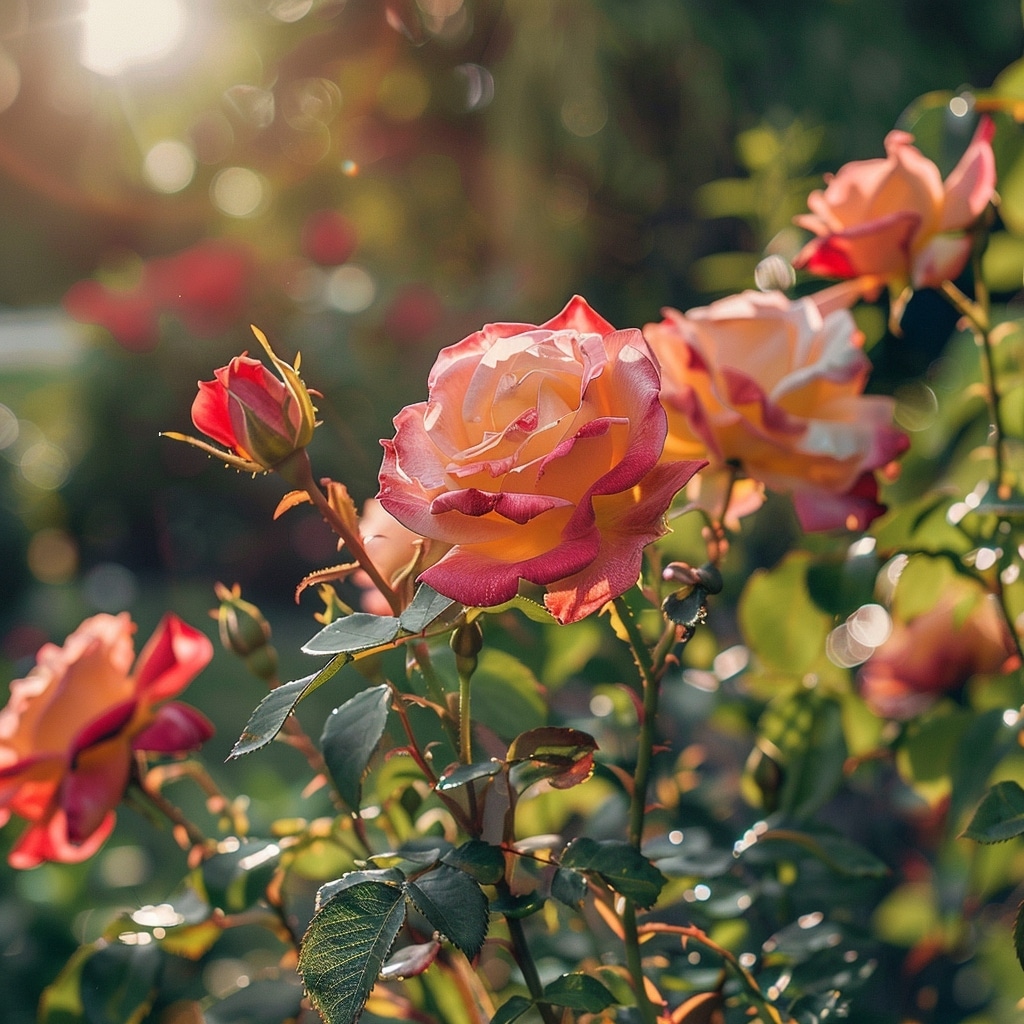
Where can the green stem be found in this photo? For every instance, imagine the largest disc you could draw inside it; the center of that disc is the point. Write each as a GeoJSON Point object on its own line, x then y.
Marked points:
{"type": "Point", "coordinates": [524, 958]}
{"type": "Point", "coordinates": [298, 471]}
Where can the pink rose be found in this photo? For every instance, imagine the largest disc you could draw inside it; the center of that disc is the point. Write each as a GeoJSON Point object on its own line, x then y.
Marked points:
{"type": "Point", "coordinates": [68, 732]}
{"type": "Point", "coordinates": [894, 218]}
{"type": "Point", "coordinates": [961, 636]}
{"type": "Point", "coordinates": [775, 387]}
{"type": "Point", "coordinates": [536, 456]}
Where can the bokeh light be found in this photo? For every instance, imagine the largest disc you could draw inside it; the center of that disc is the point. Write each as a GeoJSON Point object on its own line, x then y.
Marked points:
{"type": "Point", "coordinates": [119, 34]}
{"type": "Point", "coordinates": [169, 166]}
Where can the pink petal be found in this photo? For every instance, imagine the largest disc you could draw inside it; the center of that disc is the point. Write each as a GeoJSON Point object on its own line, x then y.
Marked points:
{"type": "Point", "coordinates": [211, 415]}
{"type": "Point", "coordinates": [175, 729]}
{"type": "Point", "coordinates": [877, 246]}
{"type": "Point", "coordinates": [969, 187]}
{"type": "Point", "coordinates": [173, 656]}
{"type": "Point", "coordinates": [579, 316]}
{"type": "Point", "coordinates": [855, 510]}
{"type": "Point", "coordinates": [48, 841]}
{"type": "Point", "coordinates": [103, 728]}
{"type": "Point", "coordinates": [942, 259]}
{"type": "Point", "coordinates": [519, 508]}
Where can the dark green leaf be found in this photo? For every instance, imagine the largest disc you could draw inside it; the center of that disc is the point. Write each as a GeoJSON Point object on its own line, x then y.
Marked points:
{"type": "Point", "coordinates": [835, 851]}
{"type": "Point", "coordinates": [686, 607]}
{"type": "Point", "coordinates": [454, 904]}
{"type": "Point", "coordinates": [1018, 935]}
{"type": "Point", "coordinates": [329, 890]}
{"type": "Point", "coordinates": [619, 865]}
{"type": "Point", "coordinates": [511, 1010]}
{"type": "Point", "coordinates": [234, 880]}
{"type": "Point", "coordinates": [346, 945]}
{"type": "Point", "coordinates": [466, 773]}
{"type": "Point", "coordinates": [579, 992]}
{"type": "Point", "coordinates": [266, 721]}
{"type": "Point", "coordinates": [985, 743]}
{"type": "Point", "coordinates": [263, 1001]}
{"type": "Point", "coordinates": [1000, 815]}
{"type": "Point", "coordinates": [119, 982]}
{"type": "Point", "coordinates": [568, 887]}
{"type": "Point", "coordinates": [351, 734]}
{"type": "Point", "coordinates": [427, 606]}
{"type": "Point", "coordinates": [484, 862]}
{"type": "Point", "coordinates": [354, 633]}
{"type": "Point", "coordinates": [518, 906]}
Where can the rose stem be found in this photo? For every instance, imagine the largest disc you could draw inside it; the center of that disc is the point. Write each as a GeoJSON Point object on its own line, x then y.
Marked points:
{"type": "Point", "coordinates": [166, 808]}
{"type": "Point", "coordinates": [650, 675]}
{"type": "Point", "coordinates": [296, 470]}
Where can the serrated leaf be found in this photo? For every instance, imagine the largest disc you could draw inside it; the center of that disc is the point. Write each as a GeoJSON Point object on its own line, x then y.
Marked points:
{"type": "Point", "coordinates": [466, 773]}
{"type": "Point", "coordinates": [233, 881]}
{"type": "Point", "coordinates": [266, 720]}
{"type": "Point", "coordinates": [619, 865]}
{"type": "Point", "coordinates": [563, 755]}
{"type": "Point", "coordinates": [353, 634]}
{"type": "Point", "coordinates": [427, 606]}
{"type": "Point", "coordinates": [327, 891]}
{"type": "Point", "coordinates": [119, 983]}
{"type": "Point", "coordinates": [531, 609]}
{"type": "Point", "coordinates": [568, 887]}
{"type": "Point", "coordinates": [578, 992]}
{"type": "Point", "coordinates": [482, 861]}
{"type": "Point", "coordinates": [511, 1010]}
{"type": "Point", "coordinates": [351, 734]}
{"type": "Point", "coordinates": [1000, 815]}
{"type": "Point", "coordinates": [454, 904]}
{"type": "Point", "coordinates": [346, 945]}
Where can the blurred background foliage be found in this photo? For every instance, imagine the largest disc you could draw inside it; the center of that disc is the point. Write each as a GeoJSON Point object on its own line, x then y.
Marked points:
{"type": "Point", "coordinates": [368, 181]}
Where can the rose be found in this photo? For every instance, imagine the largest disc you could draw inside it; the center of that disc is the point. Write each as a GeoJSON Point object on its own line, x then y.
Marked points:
{"type": "Point", "coordinates": [894, 218]}
{"type": "Point", "coordinates": [536, 456]}
{"type": "Point", "coordinates": [261, 419]}
{"type": "Point", "coordinates": [774, 387]}
{"type": "Point", "coordinates": [962, 635]}
{"type": "Point", "coordinates": [399, 555]}
{"type": "Point", "coordinates": [68, 732]}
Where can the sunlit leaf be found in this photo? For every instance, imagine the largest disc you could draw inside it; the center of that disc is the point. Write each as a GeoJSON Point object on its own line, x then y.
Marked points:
{"type": "Point", "coordinates": [484, 862]}
{"type": "Point", "coordinates": [562, 755]}
{"type": "Point", "coordinates": [506, 695]}
{"type": "Point", "coordinates": [579, 992]}
{"type": "Point", "coordinates": [268, 717]}
{"type": "Point", "coordinates": [350, 736]}
{"type": "Point", "coordinates": [466, 773]}
{"type": "Point", "coordinates": [327, 891]}
{"type": "Point", "coordinates": [346, 945]}
{"type": "Point", "coordinates": [1000, 816]}
{"type": "Point", "coordinates": [454, 904]}
{"type": "Point", "coordinates": [353, 633]}
{"type": "Point", "coordinates": [427, 605]}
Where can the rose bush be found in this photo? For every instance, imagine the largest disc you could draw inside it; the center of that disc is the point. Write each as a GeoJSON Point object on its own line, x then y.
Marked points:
{"type": "Point", "coordinates": [936, 651]}
{"type": "Point", "coordinates": [537, 456]}
{"type": "Point", "coordinates": [69, 729]}
{"type": "Point", "coordinates": [894, 218]}
{"type": "Point", "coordinates": [775, 387]}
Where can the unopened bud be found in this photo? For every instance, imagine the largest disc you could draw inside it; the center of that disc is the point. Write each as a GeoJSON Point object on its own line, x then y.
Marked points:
{"type": "Point", "coordinates": [467, 642]}
{"type": "Point", "coordinates": [245, 632]}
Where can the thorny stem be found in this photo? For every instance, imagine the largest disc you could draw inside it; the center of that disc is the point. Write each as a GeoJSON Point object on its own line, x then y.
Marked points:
{"type": "Point", "coordinates": [976, 313]}
{"type": "Point", "coordinates": [299, 472]}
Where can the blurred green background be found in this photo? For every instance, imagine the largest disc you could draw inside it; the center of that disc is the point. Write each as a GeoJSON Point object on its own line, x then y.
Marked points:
{"type": "Point", "coordinates": [367, 181]}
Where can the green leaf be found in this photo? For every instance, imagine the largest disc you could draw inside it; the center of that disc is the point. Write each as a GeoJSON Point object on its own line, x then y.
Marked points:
{"type": "Point", "coordinates": [781, 623]}
{"type": "Point", "coordinates": [835, 851]}
{"type": "Point", "coordinates": [454, 904]}
{"type": "Point", "coordinates": [518, 906]}
{"type": "Point", "coordinates": [506, 695]}
{"type": "Point", "coordinates": [354, 633]}
{"type": "Point", "coordinates": [346, 945]}
{"type": "Point", "coordinates": [265, 1001]}
{"type": "Point", "coordinates": [466, 773]}
{"type": "Point", "coordinates": [1000, 816]}
{"type": "Point", "coordinates": [266, 721]}
{"type": "Point", "coordinates": [511, 1010]}
{"type": "Point", "coordinates": [619, 865]}
{"type": "Point", "coordinates": [233, 881]}
{"type": "Point", "coordinates": [1018, 935]}
{"type": "Point", "coordinates": [985, 743]}
{"type": "Point", "coordinates": [327, 891]}
{"type": "Point", "coordinates": [531, 609]}
{"type": "Point", "coordinates": [119, 983]}
{"type": "Point", "coordinates": [579, 992]}
{"type": "Point", "coordinates": [568, 887]}
{"type": "Point", "coordinates": [427, 606]}
{"type": "Point", "coordinates": [351, 735]}
{"type": "Point", "coordinates": [484, 862]}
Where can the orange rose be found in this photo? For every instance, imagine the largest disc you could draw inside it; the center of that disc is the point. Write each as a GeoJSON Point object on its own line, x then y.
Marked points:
{"type": "Point", "coordinates": [69, 730]}
{"type": "Point", "coordinates": [536, 456]}
{"type": "Point", "coordinates": [775, 388]}
{"type": "Point", "coordinates": [962, 635]}
{"type": "Point", "coordinates": [895, 218]}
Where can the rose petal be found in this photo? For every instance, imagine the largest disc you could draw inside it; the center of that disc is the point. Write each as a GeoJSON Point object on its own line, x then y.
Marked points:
{"type": "Point", "coordinates": [176, 728]}
{"type": "Point", "coordinates": [171, 659]}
